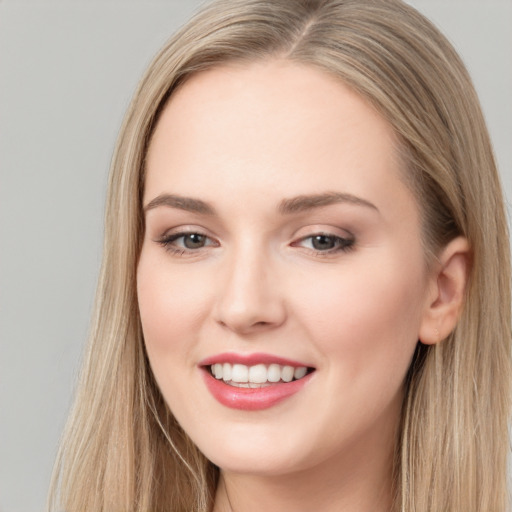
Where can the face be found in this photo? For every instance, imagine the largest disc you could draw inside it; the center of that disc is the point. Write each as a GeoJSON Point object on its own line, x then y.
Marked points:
{"type": "Point", "coordinates": [281, 282]}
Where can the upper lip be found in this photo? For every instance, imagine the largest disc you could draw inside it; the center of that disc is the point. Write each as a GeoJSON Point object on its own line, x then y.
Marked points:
{"type": "Point", "coordinates": [251, 360]}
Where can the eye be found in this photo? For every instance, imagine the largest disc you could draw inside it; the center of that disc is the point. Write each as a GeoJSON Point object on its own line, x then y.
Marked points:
{"type": "Point", "coordinates": [325, 243]}
{"type": "Point", "coordinates": [182, 242]}
{"type": "Point", "coordinates": [193, 240]}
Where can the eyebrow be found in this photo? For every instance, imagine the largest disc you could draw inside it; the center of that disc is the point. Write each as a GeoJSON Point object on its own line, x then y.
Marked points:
{"type": "Point", "coordinates": [286, 206]}
{"type": "Point", "coordinates": [309, 202]}
{"type": "Point", "coordinates": [181, 203]}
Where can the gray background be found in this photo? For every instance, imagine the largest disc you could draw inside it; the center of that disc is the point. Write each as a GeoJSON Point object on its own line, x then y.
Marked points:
{"type": "Point", "coordinates": [67, 71]}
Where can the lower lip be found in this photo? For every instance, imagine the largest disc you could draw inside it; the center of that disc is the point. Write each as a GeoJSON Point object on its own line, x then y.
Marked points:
{"type": "Point", "coordinates": [252, 399]}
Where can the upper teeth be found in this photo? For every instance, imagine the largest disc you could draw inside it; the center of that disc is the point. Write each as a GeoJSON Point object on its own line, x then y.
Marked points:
{"type": "Point", "coordinates": [257, 374]}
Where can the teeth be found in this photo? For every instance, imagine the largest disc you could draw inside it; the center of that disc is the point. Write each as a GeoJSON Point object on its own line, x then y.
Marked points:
{"type": "Point", "coordinates": [287, 373]}
{"type": "Point", "coordinates": [240, 375]}
{"type": "Point", "coordinates": [274, 373]}
{"type": "Point", "coordinates": [217, 371]}
{"type": "Point", "coordinates": [300, 372]}
{"type": "Point", "coordinates": [226, 371]}
{"type": "Point", "coordinates": [258, 374]}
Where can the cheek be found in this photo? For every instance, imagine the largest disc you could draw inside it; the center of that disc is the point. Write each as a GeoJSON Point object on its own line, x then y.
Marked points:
{"type": "Point", "coordinates": [368, 317]}
{"type": "Point", "coordinates": [170, 306]}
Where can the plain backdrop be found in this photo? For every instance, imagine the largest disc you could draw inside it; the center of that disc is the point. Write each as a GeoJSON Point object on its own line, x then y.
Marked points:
{"type": "Point", "coordinates": [67, 72]}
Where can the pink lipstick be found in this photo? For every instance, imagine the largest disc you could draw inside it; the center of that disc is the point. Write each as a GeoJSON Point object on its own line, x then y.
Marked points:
{"type": "Point", "coordinates": [253, 382]}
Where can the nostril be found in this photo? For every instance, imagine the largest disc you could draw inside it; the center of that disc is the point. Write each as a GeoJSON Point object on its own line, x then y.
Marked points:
{"type": "Point", "coordinates": [250, 301]}
{"type": "Point", "coordinates": [246, 323]}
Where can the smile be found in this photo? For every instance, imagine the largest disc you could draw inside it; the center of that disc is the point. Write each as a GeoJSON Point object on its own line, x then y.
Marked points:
{"type": "Point", "coordinates": [257, 376]}
{"type": "Point", "coordinates": [253, 382]}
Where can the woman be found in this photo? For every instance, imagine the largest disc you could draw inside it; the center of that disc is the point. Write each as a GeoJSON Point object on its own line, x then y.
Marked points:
{"type": "Point", "coordinates": [304, 302]}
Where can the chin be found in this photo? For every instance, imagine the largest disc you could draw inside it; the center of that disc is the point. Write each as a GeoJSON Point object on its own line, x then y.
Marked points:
{"type": "Point", "coordinates": [256, 464]}
{"type": "Point", "coordinates": [257, 451]}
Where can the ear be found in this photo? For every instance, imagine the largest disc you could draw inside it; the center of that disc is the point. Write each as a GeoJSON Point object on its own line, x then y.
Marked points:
{"type": "Point", "coordinates": [446, 294]}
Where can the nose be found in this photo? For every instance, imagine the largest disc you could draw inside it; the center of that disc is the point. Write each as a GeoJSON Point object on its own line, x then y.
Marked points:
{"type": "Point", "coordinates": [251, 298]}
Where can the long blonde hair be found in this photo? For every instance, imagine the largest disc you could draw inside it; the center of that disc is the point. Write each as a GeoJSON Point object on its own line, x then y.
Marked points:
{"type": "Point", "coordinates": [122, 450]}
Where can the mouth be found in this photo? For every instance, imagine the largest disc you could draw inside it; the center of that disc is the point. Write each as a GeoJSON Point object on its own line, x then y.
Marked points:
{"type": "Point", "coordinates": [253, 382]}
{"type": "Point", "coordinates": [257, 376]}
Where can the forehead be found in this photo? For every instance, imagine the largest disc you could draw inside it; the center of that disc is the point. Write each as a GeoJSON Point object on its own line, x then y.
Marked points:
{"type": "Point", "coordinates": [294, 100]}
{"type": "Point", "coordinates": [271, 126]}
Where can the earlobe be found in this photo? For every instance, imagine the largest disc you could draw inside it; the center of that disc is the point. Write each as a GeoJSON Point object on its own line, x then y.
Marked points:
{"type": "Point", "coordinates": [447, 292]}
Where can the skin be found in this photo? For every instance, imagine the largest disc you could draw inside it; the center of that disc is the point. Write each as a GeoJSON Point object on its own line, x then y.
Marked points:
{"type": "Point", "coordinates": [244, 139]}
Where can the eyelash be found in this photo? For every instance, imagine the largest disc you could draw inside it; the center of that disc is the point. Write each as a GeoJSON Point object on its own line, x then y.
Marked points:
{"type": "Point", "coordinates": [167, 242]}
{"type": "Point", "coordinates": [340, 244]}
